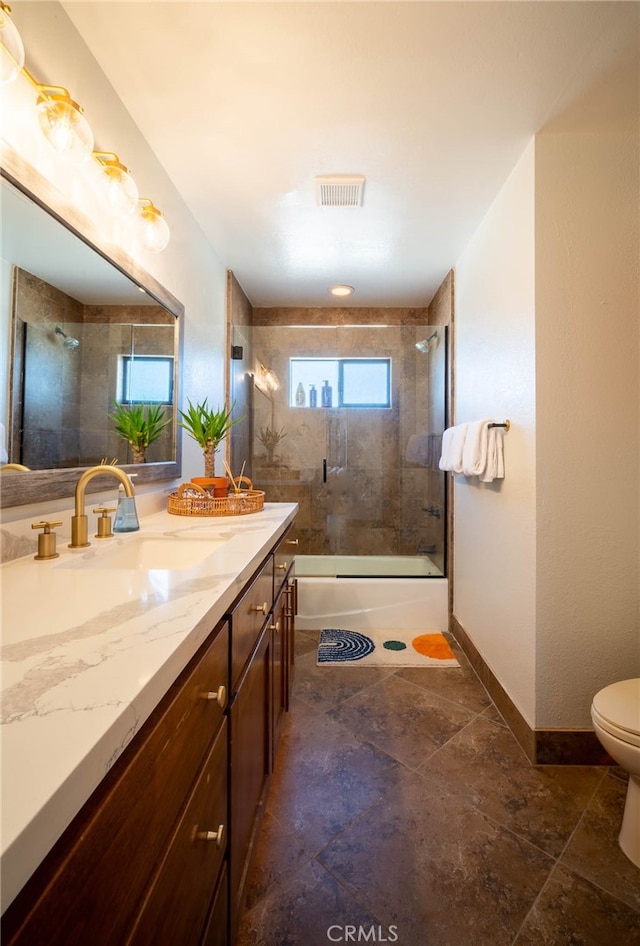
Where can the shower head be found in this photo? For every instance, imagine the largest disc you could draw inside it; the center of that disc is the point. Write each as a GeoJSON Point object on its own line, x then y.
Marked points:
{"type": "Point", "coordinates": [424, 346]}
{"type": "Point", "coordinates": [68, 342]}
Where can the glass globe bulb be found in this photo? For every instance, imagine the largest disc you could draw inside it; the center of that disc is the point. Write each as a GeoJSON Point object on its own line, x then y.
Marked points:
{"type": "Point", "coordinates": [65, 127]}
{"type": "Point", "coordinates": [152, 229]}
{"type": "Point", "coordinates": [119, 188]}
{"type": "Point", "coordinates": [11, 48]}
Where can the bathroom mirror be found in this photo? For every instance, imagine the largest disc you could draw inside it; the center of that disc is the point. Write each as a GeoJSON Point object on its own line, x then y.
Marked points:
{"type": "Point", "coordinates": [78, 325]}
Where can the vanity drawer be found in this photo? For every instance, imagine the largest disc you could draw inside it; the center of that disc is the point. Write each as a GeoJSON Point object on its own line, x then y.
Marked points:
{"type": "Point", "coordinates": [248, 617]}
{"type": "Point", "coordinates": [89, 887]}
{"type": "Point", "coordinates": [177, 904]}
{"type": "Point", "coordinates": [283, 557]}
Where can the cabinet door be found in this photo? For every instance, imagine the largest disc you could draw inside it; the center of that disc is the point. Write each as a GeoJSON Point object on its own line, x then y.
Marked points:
{"type": "Point", "coordinates": [248, 618]}
{"type": "Point", "coordinates": [216, 932]}
{"type": "Point", "coordinates": [177, 902]}
{"type": "Point", "coordinates": [250, 757]}
{"type": "Point", "coordinates": [290, 606]}
{"type": "Point", "coordinates": [279, 675]}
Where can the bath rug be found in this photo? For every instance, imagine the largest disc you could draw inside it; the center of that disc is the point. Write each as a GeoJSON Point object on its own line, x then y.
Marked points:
{"type": "Point", "coordinates": [340, 646]}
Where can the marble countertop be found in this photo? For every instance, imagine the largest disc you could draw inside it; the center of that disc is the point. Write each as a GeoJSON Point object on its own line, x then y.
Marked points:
{"type": "Point", "coordinates": [88, 651]}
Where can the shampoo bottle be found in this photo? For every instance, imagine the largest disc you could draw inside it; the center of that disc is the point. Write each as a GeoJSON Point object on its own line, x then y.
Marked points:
{"type": "Point", "coordinates": [327, 394]}
{"type": "Point", "coordinates": [126, 519]}
{"type": "Point", "coordinates": [300, 395]}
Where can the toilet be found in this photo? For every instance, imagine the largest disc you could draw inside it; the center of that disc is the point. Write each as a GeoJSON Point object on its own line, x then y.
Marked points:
{"type": "Point", "coordinates": [615, 713]}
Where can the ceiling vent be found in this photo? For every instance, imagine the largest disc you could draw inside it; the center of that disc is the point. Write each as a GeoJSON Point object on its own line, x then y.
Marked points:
{"type": "Point", "coordinates": [339, 190]}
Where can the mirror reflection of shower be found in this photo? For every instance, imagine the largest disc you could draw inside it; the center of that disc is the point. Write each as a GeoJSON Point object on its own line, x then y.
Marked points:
{"type": "Point", "coordinates": [69, 342]}
{"type": "Point", "coordinates": [425, 345]}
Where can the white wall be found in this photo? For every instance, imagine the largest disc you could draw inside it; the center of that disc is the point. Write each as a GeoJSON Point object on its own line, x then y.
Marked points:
{"type": "Point", "coordinates": [588, 419]}
{"type": "Point", "coordinates": [494, 531]}
{"type": "Point", "coordinates": [547, 565]}
{"type": "Point", "coordinates": [188, 268]}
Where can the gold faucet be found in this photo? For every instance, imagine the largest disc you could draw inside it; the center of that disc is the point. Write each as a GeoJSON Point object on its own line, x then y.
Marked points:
{"type": "Point", "coordinates": [79, 522]}
{"type": "Point", "coordinates": [14, 466]}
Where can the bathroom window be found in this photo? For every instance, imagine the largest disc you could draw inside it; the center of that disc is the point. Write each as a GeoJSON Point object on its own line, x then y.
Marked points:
{"type": "Point", "coordinates": [340, 382]}
{"type": "Point", "coordinates": [145, 379]}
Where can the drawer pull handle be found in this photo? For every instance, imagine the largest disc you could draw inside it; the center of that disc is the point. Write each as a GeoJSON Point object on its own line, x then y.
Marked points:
{"type": "Point", "coordinates": [211, 835]}
{"type": "Point", "coordinates": [276, 627]}
{"type": "Point", "coordinates": [219, 695]}
{"type": "Point", "coordinates": [283, 567]}
{"type": "Point", "coordinates": [259, 607]}
{"type": "Point", "coordinates": [292, 541]}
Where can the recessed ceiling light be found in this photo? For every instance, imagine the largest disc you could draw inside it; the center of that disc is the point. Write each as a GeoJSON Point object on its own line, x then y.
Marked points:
{"type": "Point", "coordinates": [341, 290]}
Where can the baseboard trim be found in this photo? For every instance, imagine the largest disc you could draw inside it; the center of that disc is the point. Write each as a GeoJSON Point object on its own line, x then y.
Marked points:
{"type": "Point", "coordinates": [541, 746]}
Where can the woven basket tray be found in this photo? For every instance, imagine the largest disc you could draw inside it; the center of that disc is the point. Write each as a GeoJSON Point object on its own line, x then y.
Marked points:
{"type": "Point", "coordinates": [192, 500]}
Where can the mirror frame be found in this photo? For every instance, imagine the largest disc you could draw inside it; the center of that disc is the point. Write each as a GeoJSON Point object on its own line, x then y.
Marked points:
{"type": "Point", "coordinates": [23, 488]}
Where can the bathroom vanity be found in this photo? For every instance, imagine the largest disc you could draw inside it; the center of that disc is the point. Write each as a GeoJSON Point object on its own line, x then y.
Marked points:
{"type": "Point", "coordinates": [142, 709]}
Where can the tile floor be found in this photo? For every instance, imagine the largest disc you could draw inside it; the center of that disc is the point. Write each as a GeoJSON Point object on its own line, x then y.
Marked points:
{"type": "Point", "coordinates": [402, 810]}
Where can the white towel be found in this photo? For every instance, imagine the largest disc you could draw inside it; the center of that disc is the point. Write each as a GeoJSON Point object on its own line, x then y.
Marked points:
{"type": "Point", "coordinates": [474, 454]}
{"type": "Point", "coordinates": [453, 440]}
{"type": "Point", "coordinates": [494, 468]}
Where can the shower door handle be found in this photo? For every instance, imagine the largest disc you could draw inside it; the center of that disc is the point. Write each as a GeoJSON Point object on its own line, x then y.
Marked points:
{"type": "Point", "coordinates": [324, 469]}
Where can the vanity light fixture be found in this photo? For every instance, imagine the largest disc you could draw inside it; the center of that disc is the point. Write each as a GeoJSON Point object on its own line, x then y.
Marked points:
{"type": "Point", "coordinates": [65, 127]}
{"type": "Point", "coordinates": [153, 230]}
{"type": "Point", "coordinates": [11, 47]}
{"type": "Point", "coordinates": [118, 186]}
{"type": "Point", "coordinates": [342, 290]}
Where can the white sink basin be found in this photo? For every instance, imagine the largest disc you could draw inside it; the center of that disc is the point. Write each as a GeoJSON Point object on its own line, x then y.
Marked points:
{"type": "Point", "coordinates": [147, 553]}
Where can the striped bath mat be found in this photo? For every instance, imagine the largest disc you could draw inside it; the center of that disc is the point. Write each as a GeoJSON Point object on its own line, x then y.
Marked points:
{"type": "Point", "coordinates": [339, 646]}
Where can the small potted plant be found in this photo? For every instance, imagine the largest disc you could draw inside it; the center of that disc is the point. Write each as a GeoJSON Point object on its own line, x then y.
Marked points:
{"type": "Point", "coordinates": [208, 428]}
{"type": "Point", "coordinates": [140, 425]}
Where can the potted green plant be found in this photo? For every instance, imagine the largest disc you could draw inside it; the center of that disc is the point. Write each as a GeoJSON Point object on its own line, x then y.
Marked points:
{"type": "Point", "coordinates": [140, 425]}
{"type": "Point", "coordinates": [208, 428]}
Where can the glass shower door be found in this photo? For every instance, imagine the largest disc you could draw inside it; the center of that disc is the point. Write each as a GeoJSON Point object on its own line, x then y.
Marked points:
{"type": "Point", "coordinates": [364, 468]}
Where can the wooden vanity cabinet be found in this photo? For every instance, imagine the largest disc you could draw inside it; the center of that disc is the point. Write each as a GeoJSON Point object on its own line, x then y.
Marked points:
{"type": "Point", "coordinates": [259, 701]}
{"type": "Point", "coordinates": [128, 839]}
{"type": "Point", "coordinates": [161, 852]}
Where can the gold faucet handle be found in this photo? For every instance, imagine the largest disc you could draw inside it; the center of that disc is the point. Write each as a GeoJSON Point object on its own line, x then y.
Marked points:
{"type": "Point", "coordinates": [104, 522]}
{"type": "Point", "coordinates": [46, 540]}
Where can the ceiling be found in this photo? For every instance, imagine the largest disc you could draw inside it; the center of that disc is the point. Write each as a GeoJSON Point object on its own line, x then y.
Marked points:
{"type": "Point", "coordinates": [244, 103]}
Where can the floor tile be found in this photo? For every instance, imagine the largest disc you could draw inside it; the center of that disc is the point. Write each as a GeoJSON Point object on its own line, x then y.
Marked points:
{"type": "Point", "coordinates": [573, 912]}
{"type": "Point", "coordinates": [458, 684]}
{"type": "Point", "coordinates": [445, 876]}
{"type": "Point", "coordinates": [326, 687]}
{"type": "Point", "coordinates": [324, 778]}
{"type": "Point", "coordinates": [402, 719]}
{"type": "Point", "coordinates": [484, 766]}
{"type": "Point", "coordinates": [307, 910]}
{"type": "Point", "coordinates": [594, 852]}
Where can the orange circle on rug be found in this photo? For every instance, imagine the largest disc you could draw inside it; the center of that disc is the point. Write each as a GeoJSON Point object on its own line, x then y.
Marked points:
{"type": "Point", "coordinates": [433, 645]}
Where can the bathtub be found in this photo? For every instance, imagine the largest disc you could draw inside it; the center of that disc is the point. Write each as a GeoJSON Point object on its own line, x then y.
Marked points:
{"type": "Point", "coordinates": [370, 592]}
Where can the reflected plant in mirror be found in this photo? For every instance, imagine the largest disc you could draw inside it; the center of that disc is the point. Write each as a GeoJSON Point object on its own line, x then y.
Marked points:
{"type": "Point", "coordinates": [139, 425]}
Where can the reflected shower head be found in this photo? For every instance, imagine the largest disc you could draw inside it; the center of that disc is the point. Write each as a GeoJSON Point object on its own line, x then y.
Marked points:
{"type": "Point", "coordinates": [424, 346]}
{"type": "Point", "coordinates": [68, 342]}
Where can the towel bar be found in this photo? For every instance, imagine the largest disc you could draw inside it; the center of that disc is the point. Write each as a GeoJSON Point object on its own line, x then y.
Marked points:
{"type": "Point", "coordinates": [506, 425]}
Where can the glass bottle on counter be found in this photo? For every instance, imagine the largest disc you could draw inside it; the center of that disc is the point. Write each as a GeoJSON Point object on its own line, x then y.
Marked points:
{"type": "Point", "coordinates": [327, 394]}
